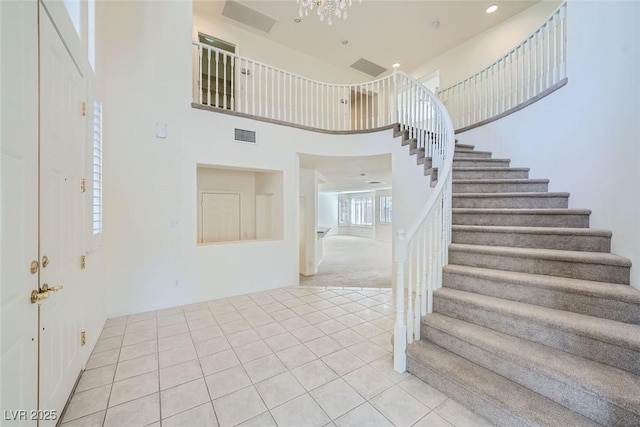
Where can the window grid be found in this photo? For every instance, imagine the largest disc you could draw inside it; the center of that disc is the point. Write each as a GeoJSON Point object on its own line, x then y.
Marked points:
{"type": "Point", "coordinates": [362, 211]}
{"type": "Point", "coordinates": [343, 211]}
{"type": "Point", "coordinates": [97, 168]}
{"type": "Point", "coordinates": [385, 209]}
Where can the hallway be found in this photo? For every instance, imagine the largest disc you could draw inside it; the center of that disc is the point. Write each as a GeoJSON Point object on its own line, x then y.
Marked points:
{"type": "Point", "coordinates": [351, 261]}
{"type": "Point", "coordinates": [289, 357]}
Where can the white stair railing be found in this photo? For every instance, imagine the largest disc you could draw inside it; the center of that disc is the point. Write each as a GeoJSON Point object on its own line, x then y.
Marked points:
{"type": "Point", "coordinates": [534, 66]}
{"type": "Point", "coordinates": [422, 251]}
{"type": "Point", "coordinates": [230, 82]}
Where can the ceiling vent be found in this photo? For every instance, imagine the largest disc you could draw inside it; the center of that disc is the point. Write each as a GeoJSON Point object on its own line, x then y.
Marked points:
{"type": "Point", "coordinates": [244, 135]}
{"type": "Point", "coordinates": [368, 67]}
{"type": "Point", "coordinates": [247, 16]}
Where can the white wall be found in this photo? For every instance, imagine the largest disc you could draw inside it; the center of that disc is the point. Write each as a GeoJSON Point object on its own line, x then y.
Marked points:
{"type": "Point", "coordinates": [262, 49]}
{"type": "Point", "coordinates": [328, 212]}
{"type": "Point", "coordinates": [586, 136]}
{"type": "Point", "coordinates": [309, 194]}
{"type": "Point", "coordinates": [269, 183]}
{"type": "Point", "coordinates": [469, 57]}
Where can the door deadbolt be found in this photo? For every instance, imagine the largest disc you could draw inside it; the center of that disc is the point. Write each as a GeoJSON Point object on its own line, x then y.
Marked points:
{"type": "Point", "coordinates": [37, 296]}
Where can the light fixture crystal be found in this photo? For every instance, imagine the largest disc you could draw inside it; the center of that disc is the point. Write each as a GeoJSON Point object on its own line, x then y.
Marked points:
{"type": "Point", "coordinates": [325, 9]}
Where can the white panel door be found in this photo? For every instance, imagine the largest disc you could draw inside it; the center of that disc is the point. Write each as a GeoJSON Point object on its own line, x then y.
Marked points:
{"type": "Point", "coordinates": [18, 212]}
{"type": "Point", "coordinates": [220, 217]}
{"type": "Point", "coordinates": [61, 217]}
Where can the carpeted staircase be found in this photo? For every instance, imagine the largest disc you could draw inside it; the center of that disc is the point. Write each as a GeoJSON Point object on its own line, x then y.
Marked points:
{"type": "Point", "coordinates": [536, 324]}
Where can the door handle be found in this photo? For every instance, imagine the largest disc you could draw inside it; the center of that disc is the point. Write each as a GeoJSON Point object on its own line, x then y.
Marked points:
{"type": "Point", "coordinates": [38, 295]}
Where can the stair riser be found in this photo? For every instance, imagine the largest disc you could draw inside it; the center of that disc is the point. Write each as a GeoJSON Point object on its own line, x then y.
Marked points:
{"type": "Point", "coordinates": [520, 202]}
{"type": "Point", "coordinates": [495, 414]}
{"type": "Point", "coordinates": [568, 395]}
{"type": "Point", "coordinates": [474, 154]}
{"type": "Point", "coordinates": [533, 330]}
{"type": "Point", "coordinates": [545, 297]}
{"type": "Point", "coordinates": [568, 220]}
{"type": "Point", "coordinates": [500, 188]}
{"type": "Point", "coordinates": [565, 242]}
{"type": "Point", "coordinates": [549, 267]}
{"type": "Point", "coordinates": [457, 163]}
{"type": "Point", "coordinates": [490, 174]}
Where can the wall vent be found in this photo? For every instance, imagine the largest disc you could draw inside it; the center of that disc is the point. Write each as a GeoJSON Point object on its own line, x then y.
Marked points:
{"type": "Point", "coordinates": [368, 67]}
{"type": "Point", "coordinates": [248, 16]}
{"type": "Point", "coordinates": [244, 135]}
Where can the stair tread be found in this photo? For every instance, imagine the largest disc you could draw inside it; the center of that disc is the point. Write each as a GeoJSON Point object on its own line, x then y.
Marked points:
{"type": "Point", "coordinates": [469, 146]}
{"type": "Point", "coordinates": [605, 330]}
{"type": "Point", "coordinates": [500, 181]}
{"type": "Point", "coordinates": [614, 385]}
{"type": "Point", "coordinates": [591, 288]}
{"type": "Point", "coordinates": [486, 168]}
{"type": "Point", "coordinates": [522, 194]}
{"type": "Point", "coordinates": [533, 230]}
{"type": "Point", "coordinates": [475, 159]}
{"type": "Point", "coordinates": [506, 394]}
{"type": "Point", "coordinates": [549, 254]}
{"type": "Point", "coordinates": [527, 211]}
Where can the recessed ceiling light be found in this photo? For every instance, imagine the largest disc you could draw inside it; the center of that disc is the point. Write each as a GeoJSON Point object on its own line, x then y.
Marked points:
{"type": "Point", "coordinates": [396, 65]}
{"type": "Point", "coordinates": [297, 19]}
{"type": "Point", "coordinates": [435, 24]}
{"type": "Point", "coordinates": [344, 42]}
{"type": "Point", "coordinates": [492, 8]}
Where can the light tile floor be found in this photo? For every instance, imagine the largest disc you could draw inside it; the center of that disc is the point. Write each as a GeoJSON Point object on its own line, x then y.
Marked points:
{"type": "Point", "coordinates": [298, 356]}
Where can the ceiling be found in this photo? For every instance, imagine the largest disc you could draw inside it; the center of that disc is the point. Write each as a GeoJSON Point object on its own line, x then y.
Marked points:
{"type": "Point", "coordinates": [377, 30]}
{"type": "Point", "coordinates": [345, 173]}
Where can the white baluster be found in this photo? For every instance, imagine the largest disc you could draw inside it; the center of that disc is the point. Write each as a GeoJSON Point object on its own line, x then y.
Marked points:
{"type": "Point", "coordinates": [224, 78]}
{"type": "Point", "coordinates": [217, 79]}
{"type": "Point", "coordinates": [209, 77]}
{"type": "Point", "coordinates": [233, 89]}
{"type": "Point", "coordinates": [418, 302]}
{"type": "Point", "coordinates": [400, 329]}
{"type": "Point", "coordinates": [410, 265]}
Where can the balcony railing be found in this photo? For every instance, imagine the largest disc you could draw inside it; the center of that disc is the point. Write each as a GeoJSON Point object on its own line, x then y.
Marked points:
{"type": "Point", "coordinates": [529, 71]}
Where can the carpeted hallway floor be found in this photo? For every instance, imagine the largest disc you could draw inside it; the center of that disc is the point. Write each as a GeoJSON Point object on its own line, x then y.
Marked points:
{"type": "Point", "coordinates": [352, 261]}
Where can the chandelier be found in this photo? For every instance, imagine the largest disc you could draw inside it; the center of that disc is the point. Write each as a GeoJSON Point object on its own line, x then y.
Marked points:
{"type": "Point", "coordinates": [325, 8]}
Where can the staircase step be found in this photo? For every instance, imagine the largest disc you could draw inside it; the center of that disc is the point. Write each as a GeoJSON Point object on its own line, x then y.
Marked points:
{"type": "Point", "coordinates": [471, 154]}
{"type": "Point", "coordinates": [499, 185]}
{"type": "Point", "coordinates": [490, 173]}
{"type": "Point", "coordinates": [602, 393]}
{"type": "Point", "coordinates": [466, 162]}
{"type": "Point", "coordinates": [599, 299]}
{"type": "Point", "coordinates": [569, 239]}
{"type": "Point", "coordinates": [511, 200]}
{"type": "Point", "coordinates": [606, 341]}
{"type": "Point", "coordinates": [596, 266]}
{"type": "Point", "coordinates": [501, 401]}
{"type": "Point", "coordinates": [464, 146]}
{"type": "Point", "coordinates": [578, 218]}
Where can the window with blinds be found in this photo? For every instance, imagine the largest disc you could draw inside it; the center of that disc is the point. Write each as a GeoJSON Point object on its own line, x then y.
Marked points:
{"type": "Point", "coordinates": [97, 168]}
{"type": "Point", "coordinates": [385, 209]}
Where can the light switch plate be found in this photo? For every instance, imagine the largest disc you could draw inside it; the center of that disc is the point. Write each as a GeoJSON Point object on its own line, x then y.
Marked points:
{"type": "Point", "coordinates": [161, 130]}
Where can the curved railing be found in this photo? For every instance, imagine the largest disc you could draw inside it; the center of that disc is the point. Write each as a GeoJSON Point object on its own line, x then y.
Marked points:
{"type": "Point", "coordinates": [531, 70]}
{"type": "Point", "coordinates": [229, 82]}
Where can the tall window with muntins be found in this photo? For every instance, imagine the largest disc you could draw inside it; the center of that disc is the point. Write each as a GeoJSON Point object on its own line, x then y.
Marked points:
{"type": "Point", "coordinates": [343, 211]}
{"type": "Point", "coordinates": [97, 168]}
{"type": "Point", "coordinates": [362, 211]}
{"type": "Point", "coordinates": [385, 209]}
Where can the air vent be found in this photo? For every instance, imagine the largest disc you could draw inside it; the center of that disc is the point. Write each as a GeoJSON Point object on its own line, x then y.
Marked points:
{"type": "Point", "coordinates": [247, 16]}
{"type": "Point", "coordinates": [244, 135]}
{"type": "Point", "coordinates": [368, 67]}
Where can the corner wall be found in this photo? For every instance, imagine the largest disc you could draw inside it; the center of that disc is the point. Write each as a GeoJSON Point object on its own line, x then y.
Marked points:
{"type": "Point", "coordinates": [585, 137]}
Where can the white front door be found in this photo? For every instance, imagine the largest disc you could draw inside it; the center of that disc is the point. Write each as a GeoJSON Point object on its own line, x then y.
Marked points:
{"type": "Point", "coordinates": [18, 215]}
{"type": "Point", "coordinates": [61, 217]}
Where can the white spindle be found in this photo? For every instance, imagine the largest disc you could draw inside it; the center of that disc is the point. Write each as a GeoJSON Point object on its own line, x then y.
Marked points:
{"type": "Point", "coordinates": [224, 79]}
{"type": "Point", "coordinates": [217, 79]}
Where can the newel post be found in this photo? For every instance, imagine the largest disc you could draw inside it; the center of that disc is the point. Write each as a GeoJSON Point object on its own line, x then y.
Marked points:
{"type": "Point", "coordinates": [400, 328]}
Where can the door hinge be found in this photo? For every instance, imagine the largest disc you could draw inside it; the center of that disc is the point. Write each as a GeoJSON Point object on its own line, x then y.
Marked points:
{"type": "Point", "coordinates": [83, 338]}
{"type": "Point", "coordinates": [83, 109]}
{"type": "Point", "coordinates": [83, 262]}
{"type": "Point", "coordinates": [33, 268]}
{"type": "Point", "coordinates": [83, 185]}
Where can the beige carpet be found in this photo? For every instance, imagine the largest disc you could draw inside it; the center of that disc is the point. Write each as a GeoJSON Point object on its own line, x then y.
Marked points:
{"type": "Point", "coordinates": [353, 262]}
